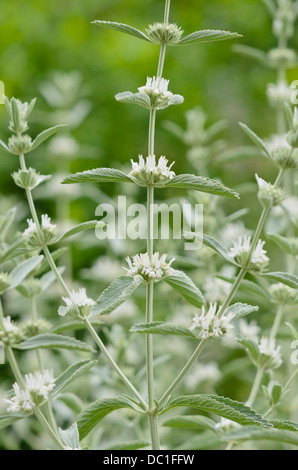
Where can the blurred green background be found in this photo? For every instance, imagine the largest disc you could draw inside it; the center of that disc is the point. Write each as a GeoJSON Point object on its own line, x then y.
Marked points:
{"type": "Point", "coordinates": [39, 37]}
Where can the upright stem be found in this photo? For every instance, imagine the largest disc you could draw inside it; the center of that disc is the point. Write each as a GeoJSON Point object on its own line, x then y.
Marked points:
{"type": "Point", "coordinates": [256, 387]}
{"type": "Point", "coordinates": [277, 322]}
{"type": "Point", "coordinates": [113, 363]}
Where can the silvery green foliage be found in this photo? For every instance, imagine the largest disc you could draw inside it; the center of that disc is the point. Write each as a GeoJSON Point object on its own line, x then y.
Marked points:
{"type": "Point", "coordinates": [224, 261]}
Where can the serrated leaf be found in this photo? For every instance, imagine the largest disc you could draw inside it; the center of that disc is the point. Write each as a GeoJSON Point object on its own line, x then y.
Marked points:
{"type": "Point", "coordinates": [256, 139]}
{"type": "Point", "coordinates": [285, 244]}
{"type": "Point", "coordinates": [98, 175]}
{"type": "Point", "coordinates": [90, 225]}
{"type": "Point", "coordinates": [134, 445]}
{"type": "Point", "coordinates": [202, 441]}
{"type": "Point", "coordinates": [69, 375]}
{"type": "Point", "coordinates": [240, 310]}
{"type": "Point", "coordinates": [52, 341]}
{"type": "Point", "coordinates": [70, 437]}
{"type": "Point", "coordinates": [255, 434]}
{"type": "Point", "coordinates": [200, 183]}
{"type": "Point", "coordinates": [284, 425]}
{"type": "Point", "coordinates": [20, 272]}
{"type": "Point", "coordinates": [192, 422]}
{"type": "Point", "coordinates": [8, 420]}
{"type": "Point", "coordinates": [94, 413]}
{"type": "Point", "coordinates": [289, 280]}
{"type": "Point", "coordinates": [207, 35]}
{"type": "Point", "coordinates": [72, 401]}
{"type": "Point", "coordinates": [221, 406]}
{"type": "Point", "coordinates": [162, 328]}
{"type": "Point", "coordinates": [116, 294]}
{"type": "Point", "coordinates": [123, 28]}
{"type": "Point", "coordinates": [184, 286]}
{"type": "Point", "coordinates": [45, 135]}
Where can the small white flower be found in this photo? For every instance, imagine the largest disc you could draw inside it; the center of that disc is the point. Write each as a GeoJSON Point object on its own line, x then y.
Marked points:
{"type": "Point", "coordinates": [241, 249]}
{"type": "Point", "coordinates": [9, 325]}
{"type": "Point", "coordinates": [270, 352]}
{"type": "Point", "coordinates": [78, 304]}
{"type": "Point", "coordinates": [156, 86]}
{"type": "Point", "coordinates": [37, 389]}
{"type": "Point", "coordinates": [269, 195]}
{"type": "Point", "coordinates": [216, 290]}
{"type": "Point", "coordinates": [226, 425]}
{"type": "Point", "coordinates": [47, 235]}
{"type": "Point", "coordinates": [140, 264]}
{"type": "Point", "coordinates": [211, 323]}
{"type": "Point", "coordinates": [276, 142]}
{"type": "Point", "coordinates": [154, 95]}
{"type": "Point", "coordinates": [249, 330]}
{"type": "Point", "coordinates": [150, 172]}
{"type": "Point", "coordinates": [279, 93]}
{"type": "Point", "coordinates": [70, 448]}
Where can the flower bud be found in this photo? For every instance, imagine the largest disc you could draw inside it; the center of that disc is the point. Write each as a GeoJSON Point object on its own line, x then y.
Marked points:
{"type": "Point", "coordinates": [162, 33]}
{"type": "Point", "coordinates": [282, 57]}
{"type": "Point", "coordinates": [292, 139]}
{"type": "Point", "coordinates": [20, 144]}
{"type": "Point", "coordinates": [31, 288]}
{"type": "Point", "coordinates": [286, 158]}
{"type": "Point", "coordinates": [26, 179]}
{"type": "Point", "coordinates": [282, 294]}
{"type": "Point", "coordinates": [268, 194]}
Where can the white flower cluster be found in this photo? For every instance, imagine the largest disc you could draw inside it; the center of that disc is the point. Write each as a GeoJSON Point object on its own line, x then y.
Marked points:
{"type": "Point", "coordinates": [150, 171]}
{"type": "Point", "coordinates": [36, 391]}
{"type": "Point", "coordinates": [142, 265]}
{"type": "Point", "coordinates": [78, 305]}
{"type": "Point", "coordinates": [279, 94]}
{"type": "Point", "coordinates": [241, 249]}
{"type": "Point", "coordinates": [36, 238]}
{"type": "Point", "coordinates": [269, 195]}
{"type": "Point", "coordinates": [10, 333]}
{"type": "Point", "coordinates": [211, 323]}
{"type": "Point", "coordinates": [154, 95]}
{"type": "Point", "coordinates": [270, 353]}
{"type": "Point", "coordinates": [226, 425]}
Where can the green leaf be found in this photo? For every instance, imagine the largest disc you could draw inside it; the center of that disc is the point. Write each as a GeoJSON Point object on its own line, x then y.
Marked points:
{"type": "Point", "coordinates": [192, 422]}
{"type": "Point", "coordinates": [240, 310]}
{"type": "Point", "coordinates": [6, 222]}
{"type": "Point", "coordinates": [69, 375]}
{"type": "Point", "coordinates": [251, 52]}
{"type": "Point", "coordinates": [134, 445]}
{"type": "Point", "coordinates": [293, 331]}
{"type": "Point", "coordinates": [94, 413]}
{"type": "Point", "coordinates": [248, 286]}
{"type": "Point", "coordinates": [8, 420]}
{"type": "Point", "coordinates": [123, 28]}
{"type": "Point", "coordinates": [207, 36]}
{"type": "Point", "coordinates": [70, 437]}
{"type": "Point", "coordinates": [255, 434]}
{"type": "Point", "coordinates": [127, 97]}
{"type": "Point", "coordinates": [45, 135]}
{"type": "Point", "coordinates": [49, 278]}
{"type": "Point", "coordinates": [73, 325]}
{"type": "Point", "coordinates": [218, 248]}
{"type": "Point", "coordinates": [162, 328]}
{"type": "Point", "coordinates": [288, 279]}
{"type": "Point", "coordinates": [221, 406]}
{"type": "Point", "coordinates": [13, 251]}
{"type": "Point", "coordinates": [72, 401]}
{"type": "Point", "coordinates": [251, 346]}
{"type": "Point", "coordinates": [284, 425]}
{"type": "Point", "coordinates": [201, 183]}
{"type": "Point", "coordinates": [98, 175]}
{"type": "Point", "coordinates": [20, 272]}
{"type": "Point", "coordinates": [256, 139]}
{"type": "Point", "coordinates": [202, 441]}
{"type": "Point", "coordinates": [116, 294]}
{"type": "Point", "coordinates": [52, 341]}
{"type": "Point", "coordinates": [184, 286]}
{"type": "Point", "coordinates": [90, 225]}
{"type": "Point", "coordinates": [288, 246]}
{"type": "Point", "coordinates": [3, 146]}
